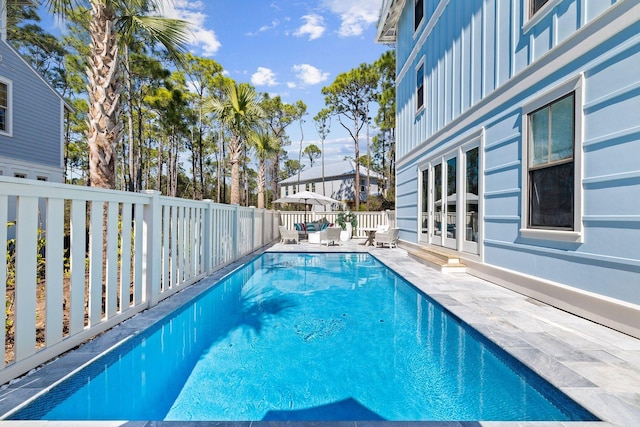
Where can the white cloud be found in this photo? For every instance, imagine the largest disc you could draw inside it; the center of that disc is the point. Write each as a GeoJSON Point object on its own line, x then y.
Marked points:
{"type": "Point", "coordinates": [191, 11]}
{"type": "Point", "coordinates": [355, 15]}
{"type": "Point", "coordinates": [313, 27]}
{"type": "Point", "coordinates": [274, 24]}
{"type": "Point", "coordinates": [309, 75]}
{"type": "Point", "coordinates": [263, 77]}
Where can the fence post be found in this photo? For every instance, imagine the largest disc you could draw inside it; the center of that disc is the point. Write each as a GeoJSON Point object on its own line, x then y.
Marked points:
{"type": "Point", "coordinates": [152, 248]}
{"type": "Point", "coordinates": [207, 239]}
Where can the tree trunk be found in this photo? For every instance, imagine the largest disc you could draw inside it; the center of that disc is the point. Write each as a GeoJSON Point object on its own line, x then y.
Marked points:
{"type": "Point", "coordinates": [357, 161]}
{"type": "Point", "coordinates": [261, 184]}
{"type": "Point", "coordinates": [104, 130]}
{"type": "Point", "coordinates": [235, 152]}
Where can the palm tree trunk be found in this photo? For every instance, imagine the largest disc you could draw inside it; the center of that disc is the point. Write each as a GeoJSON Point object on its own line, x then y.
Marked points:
{"type": "Point", "coordinates": [261, 184]}
{"type": "Point", "coordinates": [235, 152]}
{"type": "Point", "coordinates": [104, 129]}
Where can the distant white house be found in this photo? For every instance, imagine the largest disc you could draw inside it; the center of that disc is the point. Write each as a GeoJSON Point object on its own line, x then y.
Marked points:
{"type": "Point", "coordinates": [31, 116]}
{"type": "Point", "coordinates": [339, 181]}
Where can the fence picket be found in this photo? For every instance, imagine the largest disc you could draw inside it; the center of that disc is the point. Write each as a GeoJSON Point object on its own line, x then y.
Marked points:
{"type": "Point", "coordinates": [54, 270]}
{"type": "Point", "coordinates": [26, 277]}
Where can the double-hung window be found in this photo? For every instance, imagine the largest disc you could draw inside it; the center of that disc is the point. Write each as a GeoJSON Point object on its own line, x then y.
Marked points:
{"type": "Point", "coordinates": [418, 13]}
{"type": "Point", "coordinates": [5, 106]}
{"type": "Point", "coordinates": [552, 164]}
{"type": "Point", "coordinates": [420, 87]}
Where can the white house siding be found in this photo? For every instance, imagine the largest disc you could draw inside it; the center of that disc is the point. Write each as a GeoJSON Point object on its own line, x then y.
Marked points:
{"type": "Point", "coordinates": [483, 63]}
{"type": "Point", "coordinates": [37, 111]}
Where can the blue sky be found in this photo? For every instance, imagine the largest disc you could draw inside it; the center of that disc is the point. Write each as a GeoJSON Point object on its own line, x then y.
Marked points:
{"type": "Point", "coordinates": [290, 48]}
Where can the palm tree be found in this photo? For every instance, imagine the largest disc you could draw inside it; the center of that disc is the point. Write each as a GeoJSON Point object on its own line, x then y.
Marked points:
{"type": "Point", "coordinates": [266, 146]}
{"type": "Point", "coordinates": [113, 24]}
{"type": "Point", "coordinates": [240, 112]}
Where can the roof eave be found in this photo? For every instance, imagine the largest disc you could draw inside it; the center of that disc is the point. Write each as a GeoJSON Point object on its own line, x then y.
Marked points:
{"type": "Point", "coordinates": [388, 22]}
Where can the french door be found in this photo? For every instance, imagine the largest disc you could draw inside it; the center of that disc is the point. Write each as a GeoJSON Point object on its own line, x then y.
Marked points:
{"type": "Point", "coordinates": [450, 199]}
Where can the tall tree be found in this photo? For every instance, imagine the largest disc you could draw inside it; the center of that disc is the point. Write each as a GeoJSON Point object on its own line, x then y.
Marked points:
{"type": "Point", "coordinates": [312, 152]}
{"type": "Point", "coordinates": [239, 109]}
{"type": "Point", "coordinates": [348, 97]}
{"type": "Point", "coordinates": [279, 116]}
{"type": "Point", "coordinates": [266, 147]}
{"type": "Point", "coordinates": [112, 23]}
{"type": "Point", "coordinates": [322, 122]}
{"type": "Point", "coordinates": [386, 117]}
{"type": "Point", "coordinates": [201, 73]}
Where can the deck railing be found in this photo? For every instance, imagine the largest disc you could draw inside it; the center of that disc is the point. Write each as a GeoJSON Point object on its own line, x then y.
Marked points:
{"type": "Point", "coordinates": [81, 260]}
{"type": "Point", "coordinates": [365, 219]}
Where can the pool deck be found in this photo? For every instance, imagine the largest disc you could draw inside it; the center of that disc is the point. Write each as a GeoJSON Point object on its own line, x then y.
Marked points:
{"type": "Point", "coordinates": [596, 366]}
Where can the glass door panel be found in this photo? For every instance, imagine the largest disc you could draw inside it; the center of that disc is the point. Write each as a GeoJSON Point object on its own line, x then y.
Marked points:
{"type": "Point", "coordinates": [450, 206]}
{"type": "Point", "coordinates": [424, 211]}
{"type": "Point", "coordinates": [471, 200]}
{"type": "Point", "coordinates": [437, 205]}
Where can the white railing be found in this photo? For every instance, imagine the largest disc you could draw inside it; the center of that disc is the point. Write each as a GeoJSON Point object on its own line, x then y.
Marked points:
{"type": "Point", "coordinates": [81, 260]}
{"type": "Point", "coordinates": [365, 219]}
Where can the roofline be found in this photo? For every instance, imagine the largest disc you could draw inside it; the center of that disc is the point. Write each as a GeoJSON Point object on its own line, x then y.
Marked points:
{"type": "Point", "coordinates": [388, 21]}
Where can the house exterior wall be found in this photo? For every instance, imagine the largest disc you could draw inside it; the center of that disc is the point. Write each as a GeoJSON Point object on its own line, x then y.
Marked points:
{"type": "Point", "coordinates": [486, 66]}
{"type": "Point", "coordinates": [33, 146]}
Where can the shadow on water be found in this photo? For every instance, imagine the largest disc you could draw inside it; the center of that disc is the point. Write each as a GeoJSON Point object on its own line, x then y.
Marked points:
{"type": "Point", "coordinates": [342, 410]}
{"type": "Point", "coordinates": [258, 309]}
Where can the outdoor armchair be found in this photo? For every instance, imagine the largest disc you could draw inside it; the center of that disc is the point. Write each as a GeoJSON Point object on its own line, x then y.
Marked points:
{"type": "Point", "coordinates": [330, 235]}
{"type": "Point", "coordinates": [286, 234]}
{"type": "Point", "coordinates": [389, 237]}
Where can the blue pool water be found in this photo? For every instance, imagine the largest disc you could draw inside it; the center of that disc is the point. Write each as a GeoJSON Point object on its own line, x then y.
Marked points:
{"type": "Point", "coordinates": [307, 337]}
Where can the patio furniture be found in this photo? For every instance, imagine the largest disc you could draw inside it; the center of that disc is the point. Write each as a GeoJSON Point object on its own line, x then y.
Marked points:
{"type": "Point", "coordinates": [330, 235]}
{"type": "Point", "coordinates": [371, 234]}
{"type": "Point", "coordinates": [315, 237]}
{"type": "Point", "coordinates": [286, 235]}
{"type": "Point", "coordinates": [389, 237]}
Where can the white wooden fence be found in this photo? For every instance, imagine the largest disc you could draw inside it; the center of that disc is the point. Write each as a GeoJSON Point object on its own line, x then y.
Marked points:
{"type": "Point", "coordinates": [365, 219]}
{"type": "Point", "coordinates": [81, 260]}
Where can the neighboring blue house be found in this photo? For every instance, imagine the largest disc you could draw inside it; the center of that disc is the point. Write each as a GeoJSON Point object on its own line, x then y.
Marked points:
{"type": "Point", "coordinates": [31, 116]}
{"type": "Point", "coordinates": [518, 144]}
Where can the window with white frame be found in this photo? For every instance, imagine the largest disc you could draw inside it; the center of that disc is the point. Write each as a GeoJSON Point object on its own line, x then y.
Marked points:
{"type": "Point", "coordinates": [418, 13]}
{"type": "Point", "coordinates": [420, 87]}
{"type": "Point", "coordinates": [552, 173]}
{"type": "Point", "coordinates": [536, 5]}
{"type": "Point", "coordinates": [5, 106]}
{"type": "Point", "coordinates": [551, 168]}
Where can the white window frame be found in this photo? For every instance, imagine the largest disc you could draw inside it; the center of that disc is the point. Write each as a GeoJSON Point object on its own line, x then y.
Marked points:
{"type": "Point", "coordinates": [421, 108]}
{"type": "Point", "coordinates": [531, 20]}
{"type": "Point", "coordinates": [416, 28]}
{"type": "Point", "coordinates": [9, 117]}
{"type": "Point", "coordinates": [575, 85]}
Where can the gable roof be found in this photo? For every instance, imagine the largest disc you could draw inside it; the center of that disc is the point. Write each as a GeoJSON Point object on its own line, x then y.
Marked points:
{"type": "Point", "coordinates": [341, 170]}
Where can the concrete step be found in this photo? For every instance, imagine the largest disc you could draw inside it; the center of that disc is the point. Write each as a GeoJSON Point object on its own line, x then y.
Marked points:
{"type": "Point", "coordinates": [441, 261]}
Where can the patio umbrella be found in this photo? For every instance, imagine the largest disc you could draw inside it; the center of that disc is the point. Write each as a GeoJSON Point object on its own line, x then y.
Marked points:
{"type": "Point", "coordinates": [308, 198]}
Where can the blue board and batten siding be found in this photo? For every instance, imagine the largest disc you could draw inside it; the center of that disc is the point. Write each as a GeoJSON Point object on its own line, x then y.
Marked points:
{"type": "Point", "coordinates": [484, 62]}
{"type": "Point", "coordinates": [37, 112]}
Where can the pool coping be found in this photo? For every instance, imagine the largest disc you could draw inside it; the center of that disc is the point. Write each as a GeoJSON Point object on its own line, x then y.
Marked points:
{"type": "Point", "coordinates": [596, 366]}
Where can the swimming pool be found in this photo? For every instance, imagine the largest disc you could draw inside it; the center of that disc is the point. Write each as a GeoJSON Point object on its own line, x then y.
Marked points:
{"type": "Point", "coordinates": [311, 337]}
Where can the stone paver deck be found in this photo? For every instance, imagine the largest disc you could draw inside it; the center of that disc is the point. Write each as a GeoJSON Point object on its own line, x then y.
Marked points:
{"type": "Point", "coordinates": [596, 366]}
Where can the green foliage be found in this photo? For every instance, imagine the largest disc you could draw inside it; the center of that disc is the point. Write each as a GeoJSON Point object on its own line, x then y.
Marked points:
{"type": "Point", "coordinates": [346, 217]}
